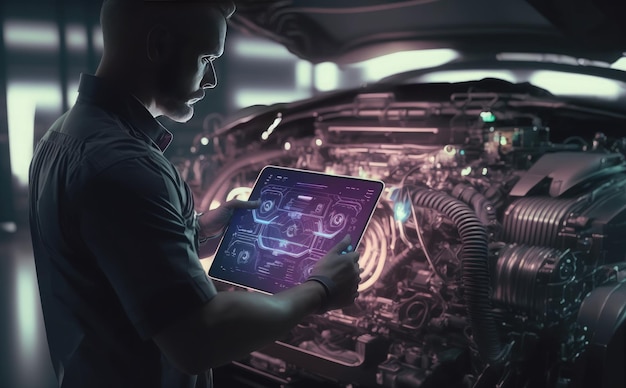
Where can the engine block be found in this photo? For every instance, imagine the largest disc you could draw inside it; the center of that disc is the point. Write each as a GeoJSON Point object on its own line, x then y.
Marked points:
{"type": "Point", "coordinates": [476, 262]}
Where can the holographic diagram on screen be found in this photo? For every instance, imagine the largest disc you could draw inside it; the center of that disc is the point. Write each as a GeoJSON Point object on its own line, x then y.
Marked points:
{"type": "Point", "coordinates": [277, 245]}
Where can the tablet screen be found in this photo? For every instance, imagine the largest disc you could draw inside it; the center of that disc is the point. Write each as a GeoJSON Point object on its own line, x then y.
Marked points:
{"type": "Point", "coordinates": [302, 215]}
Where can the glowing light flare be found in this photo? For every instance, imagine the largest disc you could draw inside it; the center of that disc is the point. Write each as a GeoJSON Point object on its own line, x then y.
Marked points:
{"type": "Point", "coordinates": [487, 117]}
{"type": "Point", "coordinates": [287, 146]}
{"type": "Point", "coordinates": [570, 84]}
{"type": "Point", "coordinates": [503, 141]}
{"type": "Point", "coordinates": [386, 65]}
{"type": "Point", "coordinates": [266, 134]}
{"type": "Point", "coordinates": [318, 142]}
{"type": "Point", "coordinates": [466, 171]}
{"type": "Point", "coordinates": [204, 140]}
{"type": "Point", "coordinates": [402, 211]}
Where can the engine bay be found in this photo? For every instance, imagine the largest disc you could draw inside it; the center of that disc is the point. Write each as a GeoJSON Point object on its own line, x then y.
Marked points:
{"type": "Point", "coordinates": [496, 255]}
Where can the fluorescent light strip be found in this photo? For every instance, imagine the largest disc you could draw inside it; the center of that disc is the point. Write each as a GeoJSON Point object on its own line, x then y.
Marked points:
{"type": "Point", "coordinates": [467, 75]}
{"type": "Point", "coordinates": [31, 35]}
{"type": "Point", "coordinates": [383, 66]}
{"type": "Point", "coordinates": [260, 49]}
{"type": "Point", "coordinates": [382, 129]}
{"type": "Point", "coordinates": [570, 84]}
{"type": "Point", "coordinates": [248, 97]}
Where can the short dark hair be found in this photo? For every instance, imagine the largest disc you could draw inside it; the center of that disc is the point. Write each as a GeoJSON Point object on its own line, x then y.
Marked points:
{"type": "Point", "coordinates": [226, 7]}
{"type": "Point", "coordinates": [118, 18]}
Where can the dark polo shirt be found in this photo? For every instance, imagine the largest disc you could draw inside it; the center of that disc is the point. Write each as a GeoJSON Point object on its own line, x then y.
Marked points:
{"type": "Point", "coordinates": [115, 241]}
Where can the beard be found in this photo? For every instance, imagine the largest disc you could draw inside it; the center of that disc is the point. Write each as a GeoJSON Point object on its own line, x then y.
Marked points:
{"type": "Point", "coordinates": [177, 110]}
{"type": "Point", "coordinates": [173, 95]}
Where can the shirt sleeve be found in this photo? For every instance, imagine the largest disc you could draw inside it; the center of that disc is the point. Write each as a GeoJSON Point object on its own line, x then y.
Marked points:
{"type": "Point", "coordinates": [133, 221]}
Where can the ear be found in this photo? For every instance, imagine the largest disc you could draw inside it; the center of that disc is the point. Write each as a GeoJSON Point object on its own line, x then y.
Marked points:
{"type": "Point", "coordinates": [158, 44]}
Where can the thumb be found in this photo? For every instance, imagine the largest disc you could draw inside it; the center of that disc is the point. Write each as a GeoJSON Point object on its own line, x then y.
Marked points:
{"type": "Point", "coordinates": [343, 244]}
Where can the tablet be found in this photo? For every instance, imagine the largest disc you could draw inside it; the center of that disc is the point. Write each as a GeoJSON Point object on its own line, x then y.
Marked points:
{"type": "Point", "coordinates": [302, 215]}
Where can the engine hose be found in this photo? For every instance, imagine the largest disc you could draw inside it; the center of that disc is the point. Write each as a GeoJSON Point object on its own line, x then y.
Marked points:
{"type": "Point", "coordinates": [485, 210]}
{"type": "Point", "coordinates": [230, 170]}
{"type": "Point", "coordinates": [399, 260]}
{"type": "Point", "coordinates": [475, 270]}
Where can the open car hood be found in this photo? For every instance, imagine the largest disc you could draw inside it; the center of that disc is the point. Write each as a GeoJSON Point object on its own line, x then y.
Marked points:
{"type": "Point", "coordinates": [348, 31]}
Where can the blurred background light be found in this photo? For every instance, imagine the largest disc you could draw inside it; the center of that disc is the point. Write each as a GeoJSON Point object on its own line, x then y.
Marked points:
{"type": "Point", "coordinates": [248, 97]}
{"type": "Point", "coordinates": [76, 37]}
{"type": "Point", "coordinates": [72, 93]}
{"type": "Point", "coordinates": [98, 42]}
{"type": "Point", "coordinates": [570, 84]}
{"type": "Point", "coordinates": [467, 75]}
{"type": "Point", "coordinates": [26, 304]}
{"type": "Point", "coordinates": [326, 76]}
{"type": "Point", "coordinates": [31, 35]}
{"type": "Point", "coordinates": [261, 49]}
{"type": "Point", "coordinates": [620, 64]}
{"type": "Point", "coordinates": [23, 100]}
{"type": "Point", "coordinates": [304, 75]}
{"type": "Point", "coordinates": [386, 65]}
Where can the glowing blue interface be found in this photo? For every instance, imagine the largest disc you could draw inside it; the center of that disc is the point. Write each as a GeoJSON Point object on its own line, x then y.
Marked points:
{"type": "Point", "coordinates": [302, 215]}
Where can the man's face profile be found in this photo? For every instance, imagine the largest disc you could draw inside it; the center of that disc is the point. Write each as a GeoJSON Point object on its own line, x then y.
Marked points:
{"type": "Point", "coordinates": [194, 41]}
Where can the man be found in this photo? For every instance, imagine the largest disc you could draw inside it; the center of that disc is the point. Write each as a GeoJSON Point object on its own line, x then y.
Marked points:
{"type": "Point", "coordinates": [126, 302]}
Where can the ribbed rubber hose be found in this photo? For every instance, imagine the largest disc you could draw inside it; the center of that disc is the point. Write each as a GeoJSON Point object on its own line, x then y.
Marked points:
{"type": "Point", "coordinates": [475, 270]}
{"type": "Point", "coordinates": [484, 209]}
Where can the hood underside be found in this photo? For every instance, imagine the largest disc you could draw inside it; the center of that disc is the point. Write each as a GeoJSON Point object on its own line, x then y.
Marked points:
{"type": "Point", "coordinates": [347, 31]}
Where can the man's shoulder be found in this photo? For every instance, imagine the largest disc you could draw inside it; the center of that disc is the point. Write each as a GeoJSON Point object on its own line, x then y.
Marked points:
{"type": "Point", "coordinates": [103, 138]}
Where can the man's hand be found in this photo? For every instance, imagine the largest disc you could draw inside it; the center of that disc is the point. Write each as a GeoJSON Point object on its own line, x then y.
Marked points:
{"type": "Point", "coordinates": [341, 266]}
{"type": "Point", "coordinates": [213, 222]}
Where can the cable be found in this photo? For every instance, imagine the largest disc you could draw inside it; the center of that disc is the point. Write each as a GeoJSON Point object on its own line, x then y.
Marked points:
{"type": "Point", "coordinates": [420, 237]}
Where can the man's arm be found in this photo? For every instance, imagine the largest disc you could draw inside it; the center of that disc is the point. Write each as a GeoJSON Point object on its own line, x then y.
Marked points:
{"type": "Point", "coordinates": [135, 230]}
{"type": "Point", "coordinates": [233, 324]}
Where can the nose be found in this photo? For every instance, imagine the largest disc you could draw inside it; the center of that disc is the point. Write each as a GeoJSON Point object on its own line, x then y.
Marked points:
{"type": "Point", "coordinates": [209, 80]}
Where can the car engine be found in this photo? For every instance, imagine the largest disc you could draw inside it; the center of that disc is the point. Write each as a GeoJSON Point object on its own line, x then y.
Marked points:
{"type": "Point", "coordinates": [496, 257]}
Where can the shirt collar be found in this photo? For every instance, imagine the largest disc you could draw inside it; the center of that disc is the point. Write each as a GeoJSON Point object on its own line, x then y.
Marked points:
{"type": "Point", "coordinates": [115, 99]}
